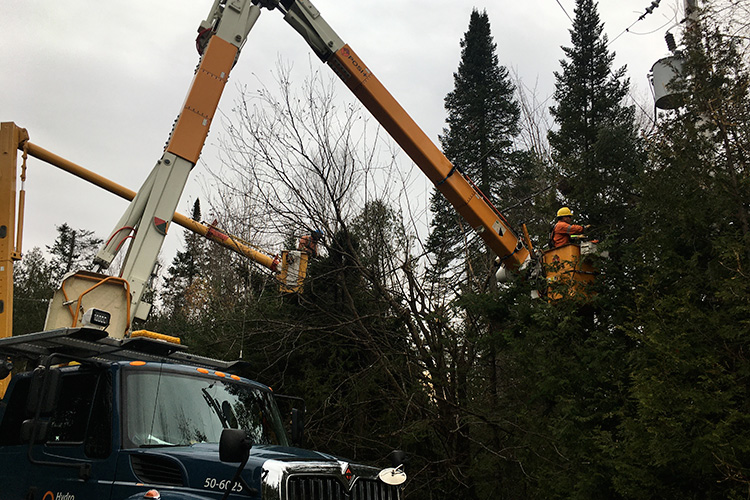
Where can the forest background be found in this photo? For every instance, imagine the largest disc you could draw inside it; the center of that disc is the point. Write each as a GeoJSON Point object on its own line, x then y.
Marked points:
{"type": "Point", "coordinates": [637, 389]}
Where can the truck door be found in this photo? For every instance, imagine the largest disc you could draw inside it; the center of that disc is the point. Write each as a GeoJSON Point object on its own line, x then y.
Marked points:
{"type": "Point", "coordinates": [76, 457]}
{"type": "Point", "coordinates": [14, 471]}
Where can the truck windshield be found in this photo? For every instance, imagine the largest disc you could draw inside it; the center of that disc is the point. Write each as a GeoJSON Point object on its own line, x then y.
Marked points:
{"type": "Point", "coordinates": [164, 408]}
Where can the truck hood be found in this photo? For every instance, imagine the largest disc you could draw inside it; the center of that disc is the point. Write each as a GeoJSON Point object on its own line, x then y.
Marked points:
{"type": "Point", "coordinates": [258, 453]}
{"type": "Point", "coordinates": [197, 467]}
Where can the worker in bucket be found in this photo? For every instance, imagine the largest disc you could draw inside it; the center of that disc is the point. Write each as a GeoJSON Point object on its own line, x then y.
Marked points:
{"type": "Point", "coordinates": [309, 243]}
{"type": "Point", "coordinates": [564, 228]}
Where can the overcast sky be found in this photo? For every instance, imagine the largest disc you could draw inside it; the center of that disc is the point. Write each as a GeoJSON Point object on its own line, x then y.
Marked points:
{"type": "Point", "coordinates": [101, 82]}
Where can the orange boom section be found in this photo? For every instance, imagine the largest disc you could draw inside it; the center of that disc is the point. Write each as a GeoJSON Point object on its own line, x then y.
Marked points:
{"type": "Point", "coordinates": [192, 126]}
{"type": "Point", "coordinates": [457, 188]}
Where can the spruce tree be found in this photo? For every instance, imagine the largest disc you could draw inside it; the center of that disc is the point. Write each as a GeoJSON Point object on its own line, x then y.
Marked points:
{"type": "Point", "coordinates": [72, 250]}
{"type": "Point", "coordinates": [595, 144]}
{"type": "Point", "coordinates": [570, 356]}
{"type": "Point", "coordinates": [482, 121]}
{"type": "Point", "coordinates": [33, 287]}
{"type": "Point", "coordinates": [598, 152]}
{"type": "Point", "coordinates": [184, 287]}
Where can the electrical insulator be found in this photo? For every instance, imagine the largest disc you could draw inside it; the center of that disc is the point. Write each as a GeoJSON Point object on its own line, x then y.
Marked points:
{"type": "Point", "coordinates": [651, 7]}
{"type": "Point", "coordinates": [671, 45]}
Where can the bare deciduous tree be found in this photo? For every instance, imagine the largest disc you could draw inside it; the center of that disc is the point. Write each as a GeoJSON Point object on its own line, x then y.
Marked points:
{"type": "Point", "coordinates": [298, 157]}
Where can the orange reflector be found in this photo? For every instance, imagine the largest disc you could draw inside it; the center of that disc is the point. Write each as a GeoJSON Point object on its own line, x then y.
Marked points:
{"type": "Point", "coordinates": [202, 370]}
{"type": "Point", "coordinates": [220, 374]}
{"type": "Point", "coordinates": [235, 377]}
{"type": "Point", "coordinates": [137, 363]}
{"type": "Point", "coordinates": [152, 494]}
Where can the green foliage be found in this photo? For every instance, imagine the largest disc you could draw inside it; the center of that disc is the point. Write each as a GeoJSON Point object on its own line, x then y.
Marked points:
{"type": "Point", "coordinates": [482, 122]}
{"type": "Point", "coordinates": [689, 434]}
{"type": "Point", "coordinates": [33, 287]}
{"type": "Point", "coordinates": [482, 113]}
{"type": "Point", "coordinates": [348, 350]}
{"type": "Point", "coordinates": [569, 359]}
{"type": "Point", "coordinates": [637, 389]}
{"type": "Point", "coordinates": [596, 144]}
{"type": "Point", "coordinates": [73, 250]}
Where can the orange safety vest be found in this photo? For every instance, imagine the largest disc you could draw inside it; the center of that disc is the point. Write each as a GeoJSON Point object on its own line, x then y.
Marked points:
{"type": "Point", "coordinates": [563, 230]}
{"type": "Point", "coordinates": [307, 244]}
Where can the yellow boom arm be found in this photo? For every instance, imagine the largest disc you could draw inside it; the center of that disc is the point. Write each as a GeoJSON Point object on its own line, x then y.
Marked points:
{"type": "Point", "coordinates": [458, 189]}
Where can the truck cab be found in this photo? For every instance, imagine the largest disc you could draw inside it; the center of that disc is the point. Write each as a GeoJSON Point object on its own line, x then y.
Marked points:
{"type": "Point", "coordinates": [136, 418]}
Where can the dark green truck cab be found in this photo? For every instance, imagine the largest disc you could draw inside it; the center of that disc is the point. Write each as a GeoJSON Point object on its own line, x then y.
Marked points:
{"type": "Point", "coordinates": [102, 418]}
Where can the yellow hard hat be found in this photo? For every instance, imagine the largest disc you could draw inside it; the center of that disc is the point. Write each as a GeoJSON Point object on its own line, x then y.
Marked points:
{"type": "Point", "coordinates": [564, 211]}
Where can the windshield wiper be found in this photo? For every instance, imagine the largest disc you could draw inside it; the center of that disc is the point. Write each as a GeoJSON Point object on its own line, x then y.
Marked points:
{"type": "Point", "coordinates": [215, 406]}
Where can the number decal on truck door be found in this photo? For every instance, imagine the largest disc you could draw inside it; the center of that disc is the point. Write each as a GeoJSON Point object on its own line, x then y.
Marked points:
{"type": "Point", "coordinates": [212, 483]}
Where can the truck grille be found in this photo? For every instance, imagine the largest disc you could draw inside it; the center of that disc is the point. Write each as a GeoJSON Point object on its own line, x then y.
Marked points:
{"type": "Point", "coordinates": [330, 488]}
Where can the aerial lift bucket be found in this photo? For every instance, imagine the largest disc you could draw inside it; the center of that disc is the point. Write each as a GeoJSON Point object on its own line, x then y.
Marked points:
{"type": "Point", "coordinates": [569, 268]}
{"type": "Point", "coordinates": [293, 271]}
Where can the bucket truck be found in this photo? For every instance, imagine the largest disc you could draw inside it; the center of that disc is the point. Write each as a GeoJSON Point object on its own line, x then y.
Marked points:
{"type": "Point", "coordinates": [110, 424]}
{"type": "Point", "coordinates": [114, 414]}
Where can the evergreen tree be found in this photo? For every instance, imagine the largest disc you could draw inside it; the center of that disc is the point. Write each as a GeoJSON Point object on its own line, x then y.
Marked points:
{"type": "Point", "coordinates": [598, 153]}
{"type": "Point", "coordinates": [689, 436]}
{"type": "Point", "coordinates": [72, 250]}
{"type": "Point", "coordinates": [33, 287]}
{"type": "Point", "coordinates": [483, 118]}
{"type": "Point", "coordinates": [482, 121]}
{"type": "Point", "coordinates": [569, 394]}
{"type": "Point", "coordinates": [595, 145]}
{"type": "Point", "coordinates": [185, 286]}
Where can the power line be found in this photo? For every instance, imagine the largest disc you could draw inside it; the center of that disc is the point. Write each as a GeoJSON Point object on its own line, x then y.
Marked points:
{"type": "Point", "coordinates": [565, 11]}
{"type": "Point", "coordinates": [648, 10]}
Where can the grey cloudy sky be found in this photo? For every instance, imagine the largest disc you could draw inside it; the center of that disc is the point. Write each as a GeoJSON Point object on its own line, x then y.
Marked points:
{"type": "Point", "coordinates": [100, 83]}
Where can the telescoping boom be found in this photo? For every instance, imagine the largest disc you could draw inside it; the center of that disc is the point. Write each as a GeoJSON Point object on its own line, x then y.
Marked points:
{"type": "Point", "coordinates": [458, 189]}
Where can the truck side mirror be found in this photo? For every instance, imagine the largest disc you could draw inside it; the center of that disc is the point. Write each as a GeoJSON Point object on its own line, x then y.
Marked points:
{"type": "Point", "coordinates": [394, 476]}
{"type": "Point", "coordinates": [44, 392]}
{"type": "Point", "coordinates": [298, 417]}
{"type": "Point", "coordinates": [298, 427]}
{"type": "Point", "coordinates": [234, 446]}
{"type": "Point", "coordinates": [398, 458]}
